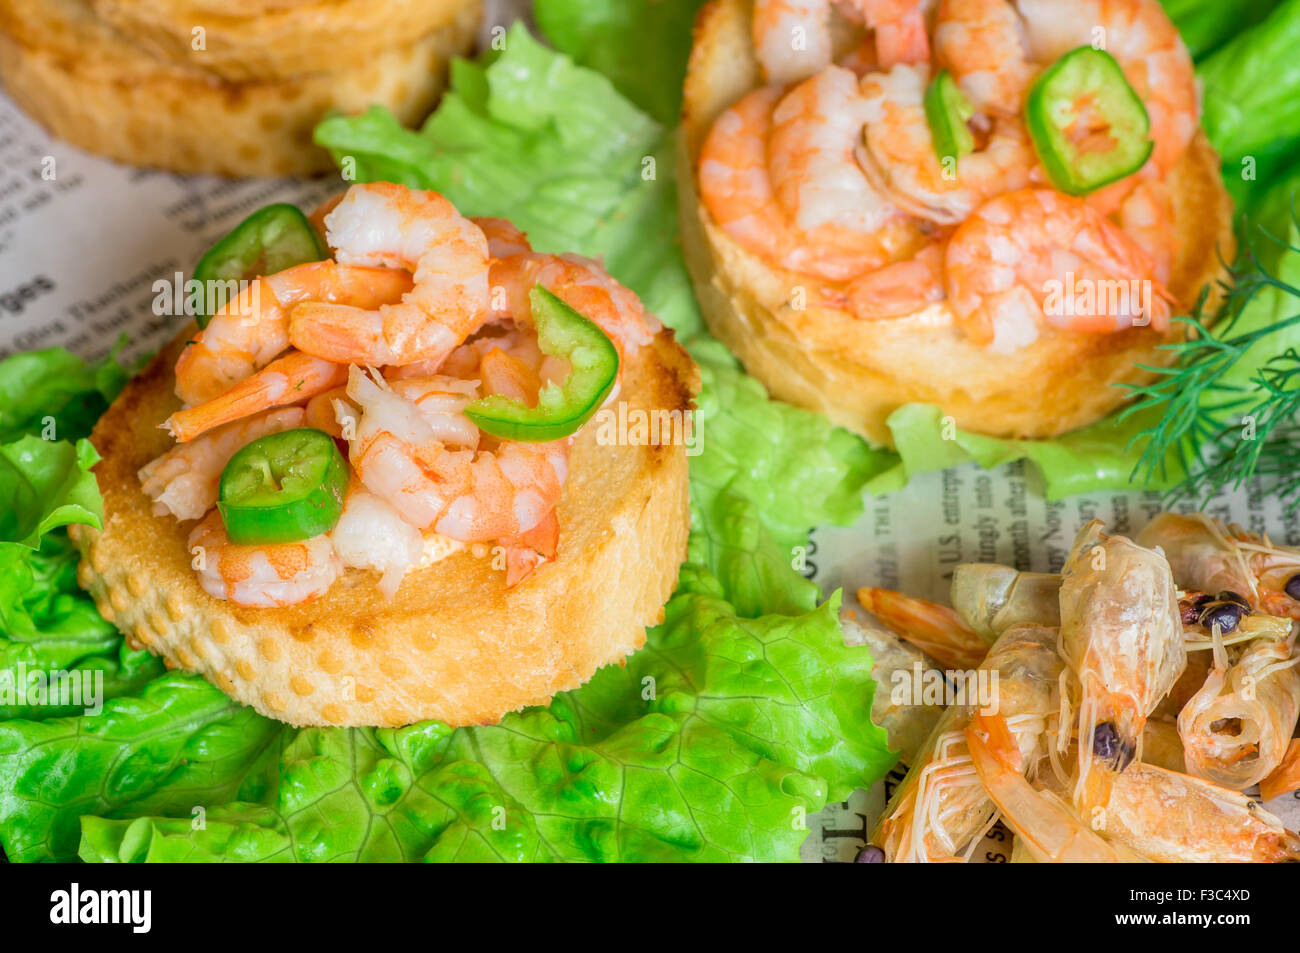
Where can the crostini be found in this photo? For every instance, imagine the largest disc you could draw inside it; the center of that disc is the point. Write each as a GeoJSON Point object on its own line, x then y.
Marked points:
{"type": "Point", "coordinates": [402, 598]}
{"type": "Point", "coordinates": [232, 92]}
{"type": "Point", "coordinates": [856, 339]}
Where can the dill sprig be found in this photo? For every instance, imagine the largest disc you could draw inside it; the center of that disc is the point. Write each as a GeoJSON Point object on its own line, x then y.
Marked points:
{"type": "Point", "coordinates": [1222, 432]}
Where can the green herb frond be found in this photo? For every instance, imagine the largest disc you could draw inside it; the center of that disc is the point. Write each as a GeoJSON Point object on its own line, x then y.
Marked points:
{"type": "Point", "coordinates": [1223, 433]}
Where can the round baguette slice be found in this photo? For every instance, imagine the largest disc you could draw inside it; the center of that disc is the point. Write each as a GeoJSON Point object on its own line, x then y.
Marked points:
{"type": "Point", "coordinates": [272, 40]}
{"type": "Point", "coordinates": [858, 372]}
{"type": "Point", "coordinates": [453, 644]}
{"type": "Point", "coordinates": [91, 86]}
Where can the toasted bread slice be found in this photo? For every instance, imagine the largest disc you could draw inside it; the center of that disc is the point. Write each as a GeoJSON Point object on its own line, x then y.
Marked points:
{"type": "Point", "coordinates": [858, 372]}
{"type": "Point", "coordinates": [275, 40]}
{"type": "Point", "coordinates": [95, 88]}
{"type": "Point", "coordinates": [454, 644]}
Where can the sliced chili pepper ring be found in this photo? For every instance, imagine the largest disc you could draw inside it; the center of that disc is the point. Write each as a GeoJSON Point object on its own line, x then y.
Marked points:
{"type": "Point", "coordinates": [946, 111]}
{"type": "Point", "coordinates": [1088, 125]}
{"type": "Point", "coordinates": [561, 409]}
{"type": "Point", "coordinates": [271, 239]}
{"type": "Point", "coordinates": [283, 487]}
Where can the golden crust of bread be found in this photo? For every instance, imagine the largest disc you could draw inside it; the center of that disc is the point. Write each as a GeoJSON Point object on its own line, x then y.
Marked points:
{"type": "Point", "coordinates": [269, 41]}
{"type": "Point", "coordinates": [92, 87]}
{"type": "Point", "coordinates": [858, 372]}
{"type": "Point", "coordinates": [453, 644]}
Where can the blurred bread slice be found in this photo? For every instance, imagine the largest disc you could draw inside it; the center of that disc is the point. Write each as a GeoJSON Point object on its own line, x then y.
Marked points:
{"type": "Point", "coordinates": [453, 643]}
{"type": "Point", "coordinates": [858, 372]}
{"type": "Point", "coordinates": [274, 39]}
{"type": "Point", "coordinates": [91, 86]}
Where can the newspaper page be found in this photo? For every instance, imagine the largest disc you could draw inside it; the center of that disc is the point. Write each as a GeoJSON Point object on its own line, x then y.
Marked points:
{"type": "Point", "coordinates": [124, 229]}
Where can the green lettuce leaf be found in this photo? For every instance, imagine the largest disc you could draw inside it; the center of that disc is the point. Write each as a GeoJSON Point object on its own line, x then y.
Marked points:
{"type": "Point", "coordinates": [596, 35]}
{"type": "Point", "coordinates": [1205, 25]}
{"type": "Point", "coordinates": [1252, 90]}
{"type": "Point", "coordinates": [56, 394]}
{"type": "Point", "coordinates": [176, 745]}
{"type": "Point", "coordinates": [1101, 456]}
{"type": "Point", "coordinates": [49, 400]}
{"type": "Point", "coordinates": [45, 484]}
{"type": "Point", "coordinates": [48, 626]}
{"type": "Point", "coordinates": [713, 743]}
{"type": "Point", "coordinates": [753, 500]}
{"type": "Point", "coordinates": [553, 147]}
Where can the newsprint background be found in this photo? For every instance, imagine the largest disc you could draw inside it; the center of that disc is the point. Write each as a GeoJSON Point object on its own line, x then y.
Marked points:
{"type": "Point", "coordinates": [81, 249]}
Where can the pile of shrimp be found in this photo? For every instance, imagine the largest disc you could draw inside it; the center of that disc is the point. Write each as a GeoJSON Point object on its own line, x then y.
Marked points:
{"type": "Point", "coordinates": [830, 171]}
{"type": "Point", "coordinates": [1144, 706]}
{"type": "Point", "coordinates": [420, 312]}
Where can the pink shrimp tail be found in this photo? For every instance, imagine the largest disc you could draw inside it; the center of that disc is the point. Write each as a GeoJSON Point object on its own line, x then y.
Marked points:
{"type": "Point", "coordinates": [526, 551]}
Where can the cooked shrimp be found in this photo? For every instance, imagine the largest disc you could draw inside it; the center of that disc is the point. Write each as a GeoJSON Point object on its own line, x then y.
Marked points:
{"type": "Point", "coordinates": [1285, 777]}
{"type": "Point", "coordinates": [465, 361]}
{"type": "Point", "coordinates": [1236, 729]}
{"type": "Point", "coordinates": [421, 232]}
{"type": "Point", "coordinates": [900, 30]}
{"type": "Point", "coordinates": [1146, 213]}
{"type": "Point", "coordinates": [992, 598]}
{"type": "Point", "coordinates": [1170, 817]}
{"type": "Point", "coordinates": [899, 289]}
{"type": "Point", "coordinates": [1145, 43]}
{"type": "Point", "coordinates": [1122, 637]}
{"type": "Point", "coordinates": [468, 495]}
{"type": "Point", "coordinates": [441, 402]}
{"type": "Point", "coordinates": [860, 60]}
{"type": "Point", "coordinates": [1046, 825]}
{"type": "Point", "coordinates": [253, 329]}
{"type": "Point", "coordinates": [321, 412]}
{"type": "Point", "coordinates": [503, 236]}
{"type": "Point", "coordinates": [184, 480]}
{"type": "Point", "coordinates": [934, 629]}
{"type": "Point", "coordinates": [372, 535]}
{"type": "Point", "coordinates": [941, 807]}
{"type": "Point", "coordinates": [792, 38]}
{"type": "Point", "coordinates": [900, 160]}
{"type": "Point", "coordinates": [528, 550]}
{"type": "Point", "coordinates": [287, 380]}
{"type": "Point", "coordinates": [982, 43]}
{"type": "Point", "coordinates": [907, 720]}
{"type": "Point", "coordinates": [1210, 557]}
{"type": "Point", "coordinates": [1002, 262]}
{"type": "Point", "coordinates": [584, 285]}
{"type": "Point", "coordinates": [317, 216]}
{"type": "Point", "coordinates": [815, 129]}
{"type": "Point", "coordinates": [737, 192]}
{"type": "Point", "coordinates": [940, 811]}
{"type": "Point", "coordinates": [261, 577]}
{"type": "Point", "coordinates": [508, 376]}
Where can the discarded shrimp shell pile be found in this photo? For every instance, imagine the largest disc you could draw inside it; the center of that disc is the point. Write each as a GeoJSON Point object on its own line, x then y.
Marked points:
{"type": "Point", "coordinates": [1132, 701]}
